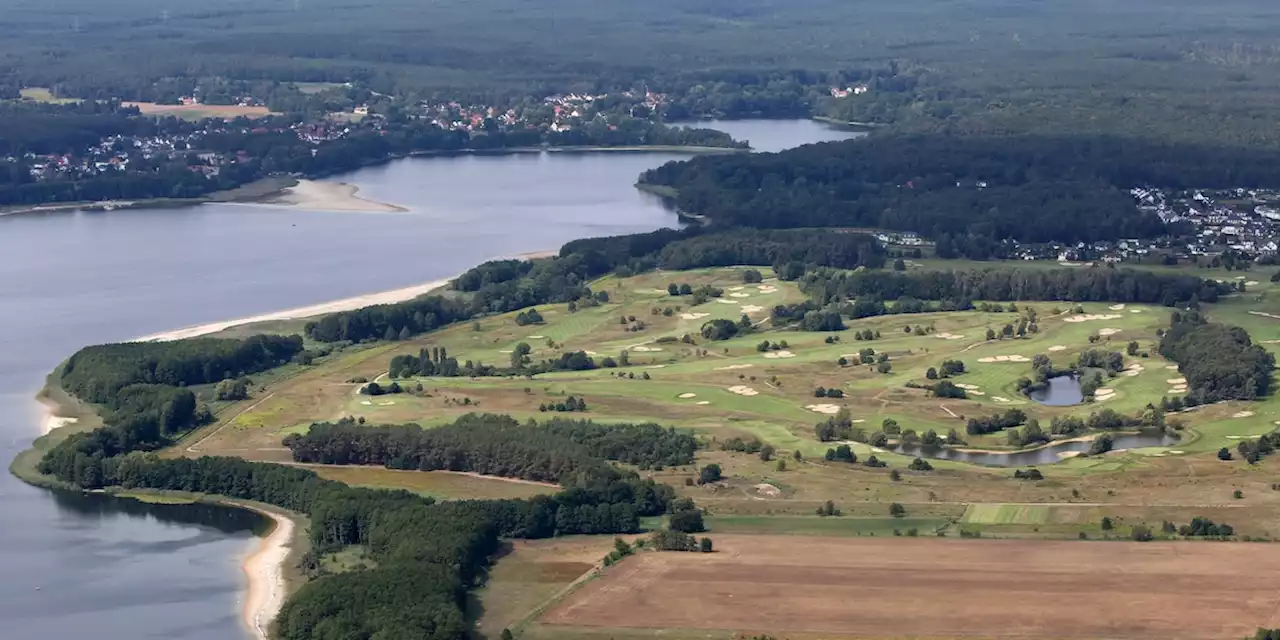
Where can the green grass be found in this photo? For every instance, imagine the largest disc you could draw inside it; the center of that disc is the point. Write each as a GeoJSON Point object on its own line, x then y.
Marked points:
{"type": "Point", "coordinates": [820, 526]}
{"type": "Point", "coordinates": [1006, 514]}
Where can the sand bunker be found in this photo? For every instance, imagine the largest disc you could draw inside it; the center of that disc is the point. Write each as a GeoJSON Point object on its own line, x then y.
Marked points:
{"type": "Point", "coordinates": [1058, 347]}
{"type": "Point", "coordinates": [779, 354]}
{"type": "Point", "coordinates": [1086, 317]}
{"type": "Point", "coordinates": [645, 349]}
{"type": "Point", "coordinates": [1135, 311]}
{"type": "Point", "coordinates": [1251, 283]}
{"type": "Point", "coordinates": [735, 366]}
{"type": "Point", "coordinates": [723, 301]}
{"type": "Point", "coordinates": [536, 337]}
{"type": "Point", "coordinates": [686, 396]}
{"type": "Point", "coordinates": [1013, 358]}
{"type": "Point", "coordinates": [766, 489]}
{"type": "Point", "coordinates": [743, 390]}
{"type": "Point", "coordinates": [751, 308]}
{"type": "Point", "coordinates": [1177, 381]}
{"type": "Point", "coordinates": [656, 366]}
{"type": "Point", "coordinates": [1171, 367]}
{"type": "Point", "coordinates": [702, 402]}
{"type": "Point", "coordinates": [1242, 414]}
{"type": "Point", "coordinates": [967, 386]}
{"type": "Point", "coordinates": [829, 409]}
{"type": "Point", "coordinates": [1000, 399]}
{"type": "Point", "coordinates": [1105, 391]}
{"type": "Point", "coordinates": [948, 336]}
{"type": "Point", "coordinates": [1182, 388]}
{"type": "Point", "coordinates": [694, 316]}
{"type": "Point", "coordinates": [740, 294]}
{"type": "Point", "coordinates": [1109, 331]}
{"type": "Point", "coordinates": [738, 288]}
{"type": "Point", "coordinates": [506, 351]}
{"type": "Point", "coordinates": [767, 288]}
{"type": "Point", "coordinates": [1116, 307]}
{"type": "Point", "coordinates": [977, 393]}
{"type": "Point", "coordinates": [366, 402]}
{"type": "Point", "coordinates": [1265, 314]}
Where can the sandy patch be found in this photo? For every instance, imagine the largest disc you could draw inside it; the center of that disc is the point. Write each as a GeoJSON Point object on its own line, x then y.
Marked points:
{"type": "Point", "coordinates": [1242, 414]}
{"type": "Point", "coordinates": [977, 393]}
{"type": "Point", "coordinates": [346, 304]}
{"type": "Point", "coordinates": [766, 489]}
{"type": "Point", "coordinates": [1171, 367]}
{"type": "Point", "coordinates": [266, 577]}
{"type": "Point", "coordinates": [328, 196]}
{"type": "Point", "coordinates": [829, 409]}
{"type": "Point", "coordinates": [740, 294]}
{"type": "Point", "coordinates": [948, 336]}
{"type": "Point", "coordinates": [1177, 381]}
{"type": "Point", "coordinates": [656, 366]}
{"type": "Point", "coordinates": [1058, 347]}
{"type": "Point", "coordinates": [1013, 358]}
{"type": "Point", "coordinates": [1109, 331]}
{"type": "Point", "coordinates": [49, 422]}
{"type": "Point", "coordinates": [1251, 283]}
{"type": "Point", "coordinates": [723, 301]}
{"type": "Point", "coordinates": [1000, 399]}
{"type": "Point", "coordinates": [1135, 311]}
{"type": "Point", "coordinates": [751, 308]}
{"type": "Point", "coordinates": [694, 316]}
{"type": "Point", "coordinates": [1265, 314]}
{"type": "Point", "coordinates": [963, 385]}
{"type": "Point", "coordinates": [738, 288]}
{"type": "Point", "coordinates": [536, 337]}
{"type": "Point", "coordinates": [1087, 317]}
{"type": "Point", "coordinates": [779, 354]}
{"type": "Point", "coordinates": [645, 349]}
{"type": "Point", "coordinates": [735, 366]}
{"type": "Point", "coordinates": [368, 403]}
{"type": "Point", "coordinates": [702, 402]}
{"type": "Point", "coordinates": [743, 390]}
{"type": "Point", "coordinates": [1116, 307]}
{"type": "Point", "coordinates": [507, 351]}
{"type": "Point", "coordinates": [1178, 389]}
{"type": "Point", "coordinates": [767, 288]}
{"type": "Point", "coordinates": [686, 396]}
{"type": "Point", "coordinates": [1105, 391]}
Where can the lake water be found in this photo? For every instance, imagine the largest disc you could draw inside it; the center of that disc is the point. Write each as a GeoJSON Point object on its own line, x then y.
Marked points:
{"type": "Point", "coordinates": [1044, 455]}
{"type": "Point", "coordinates": [1061, 391]}
{"type": "Point", "coordinates": [119, 569]}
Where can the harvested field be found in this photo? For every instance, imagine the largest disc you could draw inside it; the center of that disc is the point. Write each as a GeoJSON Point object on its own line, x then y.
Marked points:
{"type": "Point", "coordinates": [833, 587]}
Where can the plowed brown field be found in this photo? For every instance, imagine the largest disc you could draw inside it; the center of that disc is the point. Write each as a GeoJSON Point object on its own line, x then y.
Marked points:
{"type": "Point", "coordinates": [941, 588]}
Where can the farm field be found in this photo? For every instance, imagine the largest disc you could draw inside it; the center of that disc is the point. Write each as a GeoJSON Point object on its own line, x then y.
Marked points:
{"type": "Point", "coordinates": [936, 588]}
{"type": "Point", "coordinates": [199, 111]}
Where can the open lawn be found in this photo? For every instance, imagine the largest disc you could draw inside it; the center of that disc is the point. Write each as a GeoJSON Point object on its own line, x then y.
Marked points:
{"type": "Point", "coordinates": [199, 111]}
{"type": "Point", "coordinates": [931, 587]}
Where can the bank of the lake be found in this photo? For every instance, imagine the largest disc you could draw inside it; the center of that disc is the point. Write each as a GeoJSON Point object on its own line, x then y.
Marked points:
{"type": "Point", "coordinates": [69, 278]}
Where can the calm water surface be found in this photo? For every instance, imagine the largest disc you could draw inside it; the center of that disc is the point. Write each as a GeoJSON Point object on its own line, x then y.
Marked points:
{"type": "Point", "coordinates": [118, 569]}
{"type": "Point", "coordinates": [1044, 455]}
{"type": "Point", "coordinates": [1062, 391]}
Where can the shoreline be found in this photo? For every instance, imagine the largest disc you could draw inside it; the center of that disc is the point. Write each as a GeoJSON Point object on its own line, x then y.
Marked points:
{"type": "Point", "coordinates": [325, 196]}
{"type": "Point", "coordinates": [264, 569]}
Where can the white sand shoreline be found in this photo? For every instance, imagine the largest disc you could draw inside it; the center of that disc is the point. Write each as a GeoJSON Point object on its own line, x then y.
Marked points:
{"type": "Point", "coordinates": [345, 304]}
{"type": "Point", "coordinates": [328, 196]}
{"type": "Point", "coordinates": [264, 568]}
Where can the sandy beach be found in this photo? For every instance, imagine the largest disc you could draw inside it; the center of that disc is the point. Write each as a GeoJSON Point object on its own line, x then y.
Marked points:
{"type": "Point", "coordinates": [265, 569]}
{"type": "Point", "coordinates": [346, 304]}
{"type": "Point", "coordinates": [328, 196]}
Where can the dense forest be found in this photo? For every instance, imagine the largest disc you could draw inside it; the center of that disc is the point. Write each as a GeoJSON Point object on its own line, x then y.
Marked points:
{"type": "Point", "coordinates": [960, 287]}
{"type": "Point", "coordinates": [966, 192]}
{"type": "Point", "coordinates": [1220, 362]}
{"type": "Point", "coordinates": [557, 450]}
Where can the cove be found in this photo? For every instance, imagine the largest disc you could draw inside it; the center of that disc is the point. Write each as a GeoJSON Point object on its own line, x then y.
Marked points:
{"type": "Point", "coordinates": [120, 569]}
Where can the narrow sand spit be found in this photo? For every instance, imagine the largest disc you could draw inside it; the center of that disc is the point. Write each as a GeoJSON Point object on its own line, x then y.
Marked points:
{"type": "Point", "coordinates": [779, 354]}
{"type": "Point", "coordinates": [1109, 331]}
{"type": "Point", "coordinates": [743, 390]}
{"type": "Point", "coordinates": [1058, 347]}
{"type": "Point", "coordinates": [735, 366]}
{"type": "Point", "coordinates": [1242, 414]}
{"type": "Point", "coordinates": [1092, 316]}
{"type": "Point", "coordinates": [694, 316]}
{"type": "Point", "coordinates": [686, 396]}
{"type": "Point", "coordinates": [264, 567]}
{"type": "Point", "coordinates": [329, 196]}
{"type": "Point", "coordinates": [829, 409]}
{"type": "Point", "coordinates": [346, 304]}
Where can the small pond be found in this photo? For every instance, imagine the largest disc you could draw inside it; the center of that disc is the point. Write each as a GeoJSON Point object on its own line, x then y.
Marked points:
{"type": "Point", "coordinates": [1047, 454]}
{"type": "Point", "coordinates": [1062, 391]}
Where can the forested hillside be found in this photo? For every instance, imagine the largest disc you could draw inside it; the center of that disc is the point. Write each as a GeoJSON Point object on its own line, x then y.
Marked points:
{"type": "Point", "coordinates": [966, 192]}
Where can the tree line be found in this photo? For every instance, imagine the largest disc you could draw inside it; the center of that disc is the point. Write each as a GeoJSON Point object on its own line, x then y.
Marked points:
{"type": "Point", "coordinates": [1220, 362]}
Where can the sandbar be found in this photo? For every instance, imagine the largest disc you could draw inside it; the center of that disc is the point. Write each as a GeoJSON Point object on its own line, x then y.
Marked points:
{"type": "Point", "coordinates": [328, 196]}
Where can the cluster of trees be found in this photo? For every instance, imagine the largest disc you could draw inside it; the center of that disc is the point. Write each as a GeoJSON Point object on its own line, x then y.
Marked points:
{"type": "Point", "coordinates": [1029, 474]}
{"type": "Point", "coordinates": [947, 369]}
{"type": "Point", "coordinates": [947, 389]}
{"type": "Point", "coordinates": [1220, 362]}
{"type": "Point", "coordinates": [958, 288]}
{"type": "Point", "coordinates": [568, 405]}
{"type": "Point", "coordinates": [969, 193]}
{"type": "Point", "coordinates": [995, 422]}
{"type": "Point", "coordinates": [435, 361]}
{"type": "Point", "coordinates": [528, 317]}
{"type": "Point", "coordinates": [1110, 361]}
{"type": "Point", "coordinates": [1201, 527]}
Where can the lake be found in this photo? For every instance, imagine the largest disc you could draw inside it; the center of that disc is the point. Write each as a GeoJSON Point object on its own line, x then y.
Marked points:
{"type": "Point", "coordinates": [1048, 454]}
{"type": "Point", "coordinates": [120, 569]}
{"type": "Point", "coordinates": [1059, 391]}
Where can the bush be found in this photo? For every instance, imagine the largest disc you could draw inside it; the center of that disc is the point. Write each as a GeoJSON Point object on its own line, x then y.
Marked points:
{"type": "Point", "coordinates": [704, 545]}
{"type": "Point", "coordinates": [687, 521]}
{"type": "Point", "coordinates": [897, 510]}
{"type": "Point", "coordinates": [709, 474]}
